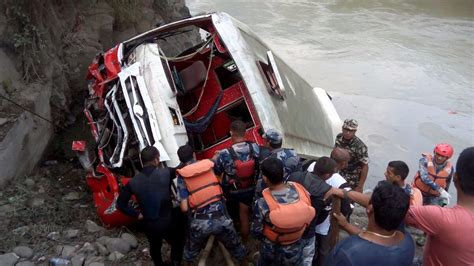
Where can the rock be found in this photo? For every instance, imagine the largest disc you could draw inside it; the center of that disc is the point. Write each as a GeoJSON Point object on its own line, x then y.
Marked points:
{"type": "Point", "coordinates": [115, 256]}
{"type": "Point", "coordinates": [53, 236]}
{"type": "Point", "coordinates": [8, 259]}
{"type": "Point", "coordinates": [93, 227]}
{"type": "Point", "coordinates": [78, 260]}
{"type": "Point", "coordinates": [87, 249]}
{"type": "Point", "coordinates": [3, 121]}
{"type": "Point", "coordinates": [118, 244]}
{"type": "Point", "coordinates": [23, 252]}
{"type": "Point", "coordinates": [35, 202]}
{"type": "Point", "coordinates": [41, 189]}
{"type": "Point", "coordinates": [6, 209]}
{"type": "Point", "coordinates": [103, 240]}
{"type": "Point", "coordinates": [71, 233]}
{"type": "Point", "coordinates": [131, 239]}
{"type": "Point", "coordinates": [72, 196]}
{"type": "Point", "coordinates": [90, 260]}
{"type": "Point", "coordinates": [25, 263]}
{"type": "Point", "coordinates": [101, 249]}
{"type": "Point", "coordinates": [29, 182]}
{"type": "Point", "coordinates": [97, 264]}
{"type": "Point", "coordinates": [22, 230]}
{"type": "Point", "coordinates": [65, 252]}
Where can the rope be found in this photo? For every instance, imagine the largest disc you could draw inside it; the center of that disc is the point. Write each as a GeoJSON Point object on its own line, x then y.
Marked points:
{"type": "Point", "coordinates": [190, 112]}
{"type": "Point", "coordinates": [185, 57]}
{"type": "Point", "coordinates": [32, 112]}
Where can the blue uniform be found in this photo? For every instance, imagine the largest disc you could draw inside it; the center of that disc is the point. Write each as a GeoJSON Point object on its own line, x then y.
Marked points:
{"type": "Point", "coordinates": [271, 253]}
{"type": "Point", "coordinates": [225, 165]}
{"type": "Point", "coordinates": [211, 219]}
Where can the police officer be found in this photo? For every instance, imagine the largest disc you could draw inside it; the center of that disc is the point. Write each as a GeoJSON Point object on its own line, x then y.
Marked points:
{"type": "Point", "coordinates": [238, 165]}
{"type": "Point", "coordinates": [280, 229]}
{"type": "Point", "coordinates": [202, 198]}
{"type": "Point", "coordinates": [273, 149]}
{"type": "Point", "coordinates": [152, 189]}
{"type": "Point", "coordinates": [358, 167]}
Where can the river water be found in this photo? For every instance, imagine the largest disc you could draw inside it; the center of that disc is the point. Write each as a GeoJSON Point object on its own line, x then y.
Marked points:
{"type": "Point", "coordinates": [403, 69]}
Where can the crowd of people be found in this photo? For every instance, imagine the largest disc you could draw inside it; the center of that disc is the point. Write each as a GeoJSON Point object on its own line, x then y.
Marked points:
{"type": "Point", "coordinates": [285, 203]}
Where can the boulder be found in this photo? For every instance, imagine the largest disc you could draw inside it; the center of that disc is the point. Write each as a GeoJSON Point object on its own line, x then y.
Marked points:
{"type": "Point", "coordinates": [87, 249]}
{"type": "Point", "coordinates": [25, 263]}
{"type": "Point", "coordinates": [8, 259]}
{"type": "Point", "coordinates": [103, 240]}
{"type": "Point", "coordinates": [72, 196]}
{"type": "Point", "coordinates": [115, 256]}
{"type": "Point", "coordinates": [97, 264]}
{"type": "Point", "coordinates": [54, 236]}
{"type": "Point", "coordinates": [94, 259]}
{"type": "Point", "coordinates": [23, 252]}
{"type": "Point", "coordinates": [78, 260]}
{"type": "Point", "coordinates": [29, 183]}
{"type": "Point", "coordinates": [93, 227]}
{"type": "Point", "coordinates": [65, 252]}
{"type": "Point", "coordinates": [35, 202]}
{"type": "Point", "coordinates": [71, 233]}
{"type": "Point", "coordinates": [131, 239]}
{"type": "Point", "coordinates": [101, 249]}
{"type": "Point", "coordinates": [118, 244]}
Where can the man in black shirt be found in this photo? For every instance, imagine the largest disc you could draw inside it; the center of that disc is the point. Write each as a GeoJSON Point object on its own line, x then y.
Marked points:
{"type": "Point", "coordinates": [152, 189]}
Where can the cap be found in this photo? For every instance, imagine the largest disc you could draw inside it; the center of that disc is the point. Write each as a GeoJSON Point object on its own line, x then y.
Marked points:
{"type": "Point", "coordinates": [273, 136]}
{"type": "Point", "coordinates": [350, 124]}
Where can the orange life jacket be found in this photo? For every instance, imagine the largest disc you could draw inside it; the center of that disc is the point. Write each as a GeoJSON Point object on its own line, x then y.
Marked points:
{"type": "Point", "coordinates": [288, 221]}
{"type": "Point", "coordinates": [441, 178]}
{"type": "Point", "coordinates": [201, 183]}
{"type": "Point", "coordinates": [245, 171]}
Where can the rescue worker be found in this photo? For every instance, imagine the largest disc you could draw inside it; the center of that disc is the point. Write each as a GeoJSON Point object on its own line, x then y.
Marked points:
{"type": "Point", "coordinates": [449, 229]}
{"type": "Point", "coordinates": [273, 149]}
{"type": "Point", "coordinates": [152, 189]}
{"type": "Point", "coordinates": [358, 167]}
{"type": "Point", "coordinates": [238, 165]}
{"type": "Point", "coordinates": [314, 183]}
{"type": "Point", "coordinates": [434, 175]}
{"type": "Point", "coordinates": [202, 198]}
{"type": "Point", "coordinates": [280, 217]}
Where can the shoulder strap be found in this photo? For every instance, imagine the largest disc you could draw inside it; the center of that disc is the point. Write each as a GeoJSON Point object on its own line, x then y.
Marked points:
{"type": "Point", "coordinates": [301, 192]}
{"type": "Point", "coordinates": [232, 153]}
{"type": "Point", "coordinates": [268, 197]}
{"type": "Point", "coordinates": [252, 151]}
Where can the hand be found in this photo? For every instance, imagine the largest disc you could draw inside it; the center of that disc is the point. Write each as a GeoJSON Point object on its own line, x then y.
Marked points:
{"type": "Point", "coordinates": [334, 192]}
{"type": "Point", "coordinates": [428, 156]}
{"type": "Point", "coordinates": [444, 195]}
{"type": "Point", "coordinates": [359, 188]}
{"type": "Point", "coordinates": [341, 219]}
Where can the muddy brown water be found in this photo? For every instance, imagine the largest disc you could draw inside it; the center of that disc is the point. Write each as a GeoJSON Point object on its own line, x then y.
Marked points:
{"type": "Point", "coordinates": [404, 69]}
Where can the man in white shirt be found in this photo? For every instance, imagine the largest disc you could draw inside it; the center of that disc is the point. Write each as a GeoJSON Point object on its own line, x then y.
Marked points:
{"type": "Point", "coordinates": [342, 157]}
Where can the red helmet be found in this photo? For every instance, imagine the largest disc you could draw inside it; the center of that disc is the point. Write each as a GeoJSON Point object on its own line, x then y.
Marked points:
{"type": "Point", "coordinates": [444, 149]}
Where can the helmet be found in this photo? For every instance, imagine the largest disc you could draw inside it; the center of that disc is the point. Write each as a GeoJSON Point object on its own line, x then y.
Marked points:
{"type": "Point", "coordinates": [444, 149]}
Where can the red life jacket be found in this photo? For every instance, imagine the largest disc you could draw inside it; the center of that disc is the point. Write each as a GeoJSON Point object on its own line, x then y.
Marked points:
{"type": "Point", "coordinates": [244, 170]}
{"type": "Point", "coordinates": [441, 178]}
{"type": "Point", "coordinates": [201, 183]}
{"type": "Point", "coordinates": [288, 221]}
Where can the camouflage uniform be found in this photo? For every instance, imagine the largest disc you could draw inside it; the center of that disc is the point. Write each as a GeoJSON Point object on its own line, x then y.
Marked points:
{"type": "Point", "coordinates": [271, 253]}
{"type": "Point", "coordinates": [291, 160]}
{"type": "Point", "coordinates": [358, 152]}
{"type": "Point", "coordinates": [209, 220]}
{"type": "Point", "coordinates": [225, 164]}
{"type": "Point", "coordinates": [425, 178]}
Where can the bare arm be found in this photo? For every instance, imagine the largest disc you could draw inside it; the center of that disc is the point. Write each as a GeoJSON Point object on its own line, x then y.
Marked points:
{"type": "Point", "coordinates": [362, 178]}
{"type": "Point", "coordinates": [358, 197]}
{"type": "Point", "coordinates": [345, 225]}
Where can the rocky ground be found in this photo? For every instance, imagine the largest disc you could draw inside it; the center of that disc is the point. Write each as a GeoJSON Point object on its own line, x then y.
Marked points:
{"type": "Point", "coordinates": [50, 214]}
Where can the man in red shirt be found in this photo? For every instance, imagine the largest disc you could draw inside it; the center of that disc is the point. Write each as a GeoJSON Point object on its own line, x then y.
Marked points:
{"type": "Point", "coordinates": [450, 230]}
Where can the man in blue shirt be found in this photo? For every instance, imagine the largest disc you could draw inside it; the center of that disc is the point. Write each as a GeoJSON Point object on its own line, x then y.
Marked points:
{"type": "Point", "coordinates": [381, 243]}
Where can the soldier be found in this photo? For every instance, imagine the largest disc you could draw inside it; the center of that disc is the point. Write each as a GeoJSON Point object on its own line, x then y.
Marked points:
{"type": "Point", "coordinates": [281, 217]}
{"type": "Point", "coordinates": [238, 165]}
{"type": "Point", "coordinates": [273, 149]}
{"type": "Point", "coordinates": [356, 171]}
{"type": "Point", "coordinates": [201, 197]}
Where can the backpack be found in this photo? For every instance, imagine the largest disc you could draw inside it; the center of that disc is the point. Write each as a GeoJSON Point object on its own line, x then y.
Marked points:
{"type": "Point", "coordinates": [245, 171]}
